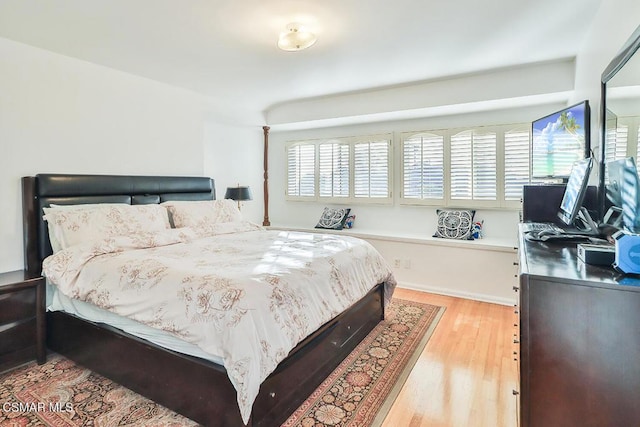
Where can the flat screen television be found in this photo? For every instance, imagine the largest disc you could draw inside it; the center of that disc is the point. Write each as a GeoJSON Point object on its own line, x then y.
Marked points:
{"type": "Point", "coordinates": [571, 205]}
{"type": "Point", "coordinates": [559, 140]}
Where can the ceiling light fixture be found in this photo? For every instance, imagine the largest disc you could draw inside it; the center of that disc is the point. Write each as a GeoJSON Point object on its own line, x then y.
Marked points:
{"type": "Point", "coordinates": [296, 38]}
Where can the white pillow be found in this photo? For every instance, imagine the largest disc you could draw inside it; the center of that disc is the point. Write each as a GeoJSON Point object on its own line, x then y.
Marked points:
{"type": "Point", "coordinates": [72, 226]}
{"type": "Point", "coordinates": [203, 214]}
{"type": "Point", "coordinates": [55, 245]}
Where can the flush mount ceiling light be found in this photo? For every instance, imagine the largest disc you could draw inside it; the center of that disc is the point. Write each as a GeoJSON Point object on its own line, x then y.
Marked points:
{"type": "Point", "coordinates": [296, 38]}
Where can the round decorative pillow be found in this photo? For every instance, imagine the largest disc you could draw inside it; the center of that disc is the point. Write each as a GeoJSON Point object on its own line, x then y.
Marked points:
{"type": "Point", "coordinates": [455, 224]}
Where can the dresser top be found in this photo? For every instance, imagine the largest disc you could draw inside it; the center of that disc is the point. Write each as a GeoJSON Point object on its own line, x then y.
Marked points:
{"type": "Point", "coordinates": [559, 261]}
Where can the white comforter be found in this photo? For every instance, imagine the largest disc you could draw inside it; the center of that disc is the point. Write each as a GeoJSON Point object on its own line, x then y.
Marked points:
{"type": "Point", "coordinates": [246, 295]}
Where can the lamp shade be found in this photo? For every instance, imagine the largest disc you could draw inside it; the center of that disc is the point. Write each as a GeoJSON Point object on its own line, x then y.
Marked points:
{"type": "Point", "coordinates": [238, 193]}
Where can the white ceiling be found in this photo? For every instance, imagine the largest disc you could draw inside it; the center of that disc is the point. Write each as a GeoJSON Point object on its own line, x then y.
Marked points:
{"type": "Point", "coordinates": [226, 49]}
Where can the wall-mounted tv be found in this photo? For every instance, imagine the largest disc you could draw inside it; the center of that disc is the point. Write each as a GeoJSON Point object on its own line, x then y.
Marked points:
{"type": "Point", "coordinates": [559, 140]}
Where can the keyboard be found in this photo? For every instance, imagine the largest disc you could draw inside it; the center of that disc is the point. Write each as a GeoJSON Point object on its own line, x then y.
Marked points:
{"type": "Point", "coordinates": [559, 237]}
{"type": "Point", "coordinates": [538, 227]}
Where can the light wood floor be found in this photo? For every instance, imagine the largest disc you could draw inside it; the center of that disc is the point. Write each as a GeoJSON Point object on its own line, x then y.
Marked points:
{"type": "Point", "coordinates": [466, 374]}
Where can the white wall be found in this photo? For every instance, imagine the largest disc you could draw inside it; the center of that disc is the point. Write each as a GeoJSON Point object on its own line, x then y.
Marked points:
{"type": "Point", "coordinates": [233, 155]}
{"type": "Point", "coordinates": [615, 22]}
{"type": "Point", "coordinates": [62, 115]}
{"type": "Point", "coordinates": [516, 85]}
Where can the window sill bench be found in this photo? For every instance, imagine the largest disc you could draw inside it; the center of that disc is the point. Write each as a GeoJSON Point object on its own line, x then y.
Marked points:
{"type": "Point", "coordinates": [484, 244]}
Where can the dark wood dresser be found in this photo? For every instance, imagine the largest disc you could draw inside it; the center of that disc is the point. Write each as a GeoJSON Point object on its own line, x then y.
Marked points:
{"type": "Point", "coordinates": [579, 340]}
{"type": "Point", "coordinates": [22, 319]}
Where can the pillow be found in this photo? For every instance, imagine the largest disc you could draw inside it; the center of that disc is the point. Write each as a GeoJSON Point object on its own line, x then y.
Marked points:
{"type": "Point", "coordinates": [333, 219]}
{"type": "Point", "coordinates": [202, 214]}
{"type": "Point", "coordinates": [55, 245]}
{"type": "Point", "coordinates": [455, 224]}
{"type": "Point", "coordinates": [72, 226]}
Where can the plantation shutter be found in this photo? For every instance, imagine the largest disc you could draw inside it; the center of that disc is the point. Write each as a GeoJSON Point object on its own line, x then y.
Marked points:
{"type": "Point", "coordinates": [301, 160]}
{"type": "Point", "coordinates": [516, 163]}
{"type": "Point", "coordinates": [484, 166]}
{"type": "Point", "coordinates": [473, 166]}
{"type": "Point", "coordinates": [334, 169]}
{"type": "Point", "coordinates": [371, 169]}
{"type": "Point", "coordinates": [617, 140]}
{"type": "Point", "coordinates": [461, 166]}
{"type": "Point", "coordinates": [423, 167]}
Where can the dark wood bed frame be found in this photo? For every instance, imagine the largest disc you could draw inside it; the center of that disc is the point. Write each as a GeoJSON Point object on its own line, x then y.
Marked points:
{"type": "Point", "coordinates": [193, 387]}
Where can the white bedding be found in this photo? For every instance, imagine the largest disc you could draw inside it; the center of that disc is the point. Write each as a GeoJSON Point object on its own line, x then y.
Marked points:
{"type": "Point", "coordinates": [57, 301]}
{"type": "Point", "coordinates": [246, 295]}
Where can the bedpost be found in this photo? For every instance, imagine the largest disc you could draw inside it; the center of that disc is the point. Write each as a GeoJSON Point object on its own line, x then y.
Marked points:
{"type": "Point", "coordinates": [266, 221]}
{"type": "Point", "coordinates": [32, 263]}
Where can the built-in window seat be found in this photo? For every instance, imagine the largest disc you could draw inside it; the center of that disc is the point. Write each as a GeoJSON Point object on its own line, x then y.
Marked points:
{"type": "Point", "coordinates": [482, 269]}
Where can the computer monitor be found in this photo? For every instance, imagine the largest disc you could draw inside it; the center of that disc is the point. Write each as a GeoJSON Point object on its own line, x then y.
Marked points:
{"type": "Point", "coordinates": [571, 206]}
{"type": "Point", "coordinates": [623, 191]}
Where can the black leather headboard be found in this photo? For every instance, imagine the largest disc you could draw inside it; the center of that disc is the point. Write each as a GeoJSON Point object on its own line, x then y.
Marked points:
{"type": "Point", "coordinates": [45, 189]}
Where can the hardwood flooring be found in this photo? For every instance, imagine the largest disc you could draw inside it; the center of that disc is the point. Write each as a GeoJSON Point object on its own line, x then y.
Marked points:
{"type": "Point", "coordinates": [466, 374]}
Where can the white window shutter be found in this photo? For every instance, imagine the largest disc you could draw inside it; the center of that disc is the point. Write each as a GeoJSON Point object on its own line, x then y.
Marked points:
{"type": "Point", "coordinates": [484, 166]}
{"type": "Point", "coordinates": [371, 169]}
{"type": "Point", "coordinates": [423, 167]}
{"type": "Point", "coordinates": [301, 160]}
{"type": "Point", "coordinates": [516, 163]}
{"type": "Point", "coordinates": [333, 169]}
{"type": "Point", "coordinates": [617, 139]}
{"type": "Point", "coordinates": [462, 166]}
{"type": "Point", "coordinates": [473, 166]}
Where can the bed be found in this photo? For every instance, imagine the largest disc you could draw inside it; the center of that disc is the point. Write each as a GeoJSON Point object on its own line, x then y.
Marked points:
{"type": "Point", "coordinates": [192, 386]}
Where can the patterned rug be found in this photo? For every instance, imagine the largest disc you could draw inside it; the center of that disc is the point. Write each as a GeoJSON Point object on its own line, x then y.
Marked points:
{"type": "Point", "coordinates": [359, 392]}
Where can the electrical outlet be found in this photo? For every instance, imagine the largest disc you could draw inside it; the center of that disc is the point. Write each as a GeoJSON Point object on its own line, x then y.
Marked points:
{"type": "Point", "coordinates": [397, 263]}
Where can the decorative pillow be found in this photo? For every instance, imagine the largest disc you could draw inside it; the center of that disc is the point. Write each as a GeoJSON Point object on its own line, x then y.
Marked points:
{"type": "Point", "coordinates": [202, 214]}
{"type": "Point", "coordinates": [455, 224]}
{"type": "Point", "coordinates": [333, 218]}
{"type": "Point", "coordinates": [72, 226]}
{"type": "Point", "coordinates": [55, 245]}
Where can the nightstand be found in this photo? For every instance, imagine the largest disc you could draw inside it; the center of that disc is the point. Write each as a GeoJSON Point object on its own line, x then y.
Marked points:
{"type": "Point", "coordinates": [22, 319]}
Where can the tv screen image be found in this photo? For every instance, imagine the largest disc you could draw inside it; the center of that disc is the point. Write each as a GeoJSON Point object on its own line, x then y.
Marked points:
{"type": "Point", "coordinates": [559, 140]}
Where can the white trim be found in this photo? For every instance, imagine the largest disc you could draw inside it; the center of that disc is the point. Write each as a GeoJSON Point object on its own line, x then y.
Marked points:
{"type": "Point", "coordinates": [457, 294]}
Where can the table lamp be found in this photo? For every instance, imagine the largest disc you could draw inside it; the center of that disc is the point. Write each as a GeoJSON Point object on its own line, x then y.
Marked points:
{"type": "Point", "coordinates": [239, 193]}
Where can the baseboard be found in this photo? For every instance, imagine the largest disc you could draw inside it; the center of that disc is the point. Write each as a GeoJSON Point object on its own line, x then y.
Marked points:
{"type": "Point", "coordinates": [459, 294]}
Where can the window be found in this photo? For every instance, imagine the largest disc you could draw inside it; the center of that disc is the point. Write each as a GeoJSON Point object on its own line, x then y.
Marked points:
{"type": "Point", "coordinates": [334, 169]}
{"type": "Point", "coordinates": [301, 180]}
{"type": "Point", "coordinates": [516, 163]}
{"type": "Point", "coordinates": [423, 167]}
{"type": "Point", "coordinates": [485, 166]}
{"type": "Point", "coordinates": [343, 169]}
{"type": "Point", "coordinates": [616, 137]}
{"type": "Point", "coordinates": [371, 169]}
{"type": "Point", "coordinates": [622, 139]}
{"type": "Point", "coordinates": [473, 166]}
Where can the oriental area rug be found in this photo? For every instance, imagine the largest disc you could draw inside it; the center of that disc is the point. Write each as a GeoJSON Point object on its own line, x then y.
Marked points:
{"type": "Point", "coordinates": [359, 392]}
